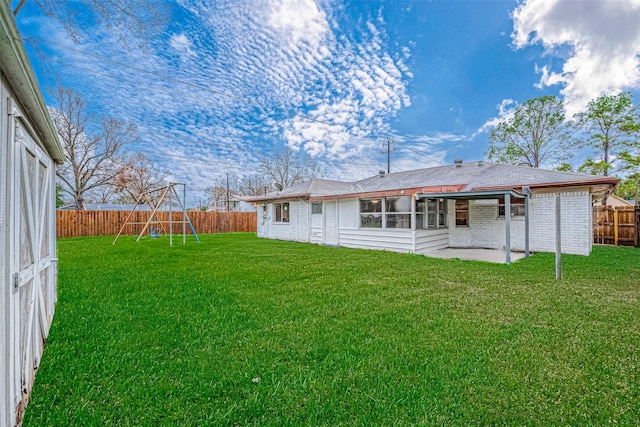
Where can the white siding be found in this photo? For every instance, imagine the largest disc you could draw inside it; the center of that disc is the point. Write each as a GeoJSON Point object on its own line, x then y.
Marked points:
{"type": "Point", "coordinates": [487, 230]}
{"type": "Point", "coordinates": [431, 240]}
{"type": "Point", "coordinates": [397, 240]}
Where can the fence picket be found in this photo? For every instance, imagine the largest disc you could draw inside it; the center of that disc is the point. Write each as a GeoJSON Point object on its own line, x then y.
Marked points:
{"type": "Point", "coordinates": [616, 226]}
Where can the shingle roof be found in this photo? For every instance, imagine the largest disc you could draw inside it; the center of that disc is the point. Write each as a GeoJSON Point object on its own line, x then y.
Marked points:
{"type": "Point", "coordinates": [467, 177]}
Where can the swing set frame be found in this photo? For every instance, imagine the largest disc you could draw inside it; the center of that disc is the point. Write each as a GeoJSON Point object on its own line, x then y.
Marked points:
{"type": "Point", "coordinates": [154, 199]}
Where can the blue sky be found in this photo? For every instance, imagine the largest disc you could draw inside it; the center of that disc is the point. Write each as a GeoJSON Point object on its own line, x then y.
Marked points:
{"type": "Point", "coordinates": [230, 81]}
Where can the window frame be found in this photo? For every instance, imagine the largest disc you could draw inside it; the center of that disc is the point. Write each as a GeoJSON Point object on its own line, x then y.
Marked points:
{"type": "Point", "coordinates": [278, 216]}
{"type": "Point", "coordinates": [517, 207]}
{"type": "Point", "coordinates": [314, 208]}
{"type": "Point", "coordinates": [427, 208]}
{"type": "Point", "coordinates": [462, 213]}
{"type": "Point", "coordinates": [399, 216]}
{"type": "Point", "coordinates": [371, 215]}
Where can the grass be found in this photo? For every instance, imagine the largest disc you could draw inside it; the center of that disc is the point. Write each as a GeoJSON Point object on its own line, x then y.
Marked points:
{"type": "Point", "coordinates": [241, 331]}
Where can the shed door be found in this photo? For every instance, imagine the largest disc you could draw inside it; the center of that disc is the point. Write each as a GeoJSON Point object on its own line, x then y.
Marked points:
{"type": "Point", "coordinates": [330, 232]}
{"type": "Point", "coordinates": [33, 265]}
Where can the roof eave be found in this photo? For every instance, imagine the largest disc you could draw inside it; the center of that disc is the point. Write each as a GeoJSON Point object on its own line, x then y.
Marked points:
{"type": "Point", "coordinates": [268, 197]}
{"type": "Point", "coordinates": [605, 180]}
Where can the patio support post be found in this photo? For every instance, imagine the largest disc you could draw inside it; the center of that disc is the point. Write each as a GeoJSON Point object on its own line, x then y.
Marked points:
{"type": "Point", "coordinates": [527, 193]}
{"type": "Point", "coordinates": [558, 237]}
{"type": "Point", "coordinates": [507, 226]}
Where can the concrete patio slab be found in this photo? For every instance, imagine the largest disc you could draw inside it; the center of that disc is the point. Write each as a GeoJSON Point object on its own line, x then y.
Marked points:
{"type": "Point", "coordinates": [471, 254]}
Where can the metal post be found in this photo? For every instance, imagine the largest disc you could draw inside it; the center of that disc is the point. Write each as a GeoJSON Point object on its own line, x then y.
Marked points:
{"type": "Point", "coordinates": [170, 216]}
{"type": "Point", "coordinates": [526, 222]}
{"type": "Point", "coordinates": [558, 238]}
{"type": "Point", "coordinates": [507, 226]}
{"type": "Point", "coordinates": [184, 214]}
{"type": "Point", "coordinates": [227, 191]}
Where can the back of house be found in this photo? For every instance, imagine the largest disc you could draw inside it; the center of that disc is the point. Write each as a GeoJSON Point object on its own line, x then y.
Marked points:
{"type": "Point", "coordinates": [464, 205]}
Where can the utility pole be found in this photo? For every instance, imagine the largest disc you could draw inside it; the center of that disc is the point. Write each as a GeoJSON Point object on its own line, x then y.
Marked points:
{"type": "Point", "coordinates": [389, 143]}
{"type": "Point", "coordinates": [227, 191]}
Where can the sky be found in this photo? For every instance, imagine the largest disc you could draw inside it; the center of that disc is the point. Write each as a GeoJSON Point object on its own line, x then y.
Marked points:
{"type": "Point", "coordinates": [229, 82]}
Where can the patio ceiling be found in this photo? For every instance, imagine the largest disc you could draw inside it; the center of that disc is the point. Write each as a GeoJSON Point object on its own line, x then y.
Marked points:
{"type": "Point", "coordinates": [472, 195]}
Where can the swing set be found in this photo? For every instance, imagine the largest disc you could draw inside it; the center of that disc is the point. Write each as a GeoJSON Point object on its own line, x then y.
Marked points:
{"type": "Point", "coordinates": [154, 199]}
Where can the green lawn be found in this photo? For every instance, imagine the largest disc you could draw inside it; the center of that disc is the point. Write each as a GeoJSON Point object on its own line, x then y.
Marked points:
{"type": "Point", "coordinates": [147, 334]}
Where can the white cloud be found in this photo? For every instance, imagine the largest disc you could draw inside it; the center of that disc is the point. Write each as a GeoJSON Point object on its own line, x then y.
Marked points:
{"type": "Point", "coordinates": [505, 111]}
{"type": "Point", "coordinates": [602, 38]}
{"type": "Point", "coordinates": [182, 45]}
{"type": "Point", "coordinates": [241, 78]}
{"type": "Point", "coordinates": [298, 21]}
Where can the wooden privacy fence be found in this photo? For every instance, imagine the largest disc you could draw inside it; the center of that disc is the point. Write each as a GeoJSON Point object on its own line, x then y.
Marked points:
{"type": "Point", "coordinates": [105, 223]}
{"type": "Point", "coordinates": [616, 226]}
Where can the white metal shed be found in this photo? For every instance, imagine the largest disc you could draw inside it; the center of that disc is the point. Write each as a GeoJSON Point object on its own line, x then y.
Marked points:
{"type": "Point", "coordinates": [29, 150]}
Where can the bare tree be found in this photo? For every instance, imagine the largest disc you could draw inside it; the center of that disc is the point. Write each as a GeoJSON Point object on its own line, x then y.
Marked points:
{"type": "Point", "coordinates": [127, 20]}
{"type": "Point", "coordinates": [138, 175]}
{"type": "Point", "coordinates": [255, 185]}
{"type": "Point", "coordinates": [221, 191]}
{"type": "Point", "coordinates": [289, 168]}
{"type": "Point", "coordinates": [94, 157]}
{"type": "Point", "coordinates": [103, 194]}
{"type": "Point", "coordinates": [216, 197]}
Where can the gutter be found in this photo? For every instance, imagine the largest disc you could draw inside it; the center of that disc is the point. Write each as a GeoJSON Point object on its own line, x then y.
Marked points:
{"type": "Point", "coordinates": [24, 84]}
{"type": "Point", "coordinates": [594, 181]}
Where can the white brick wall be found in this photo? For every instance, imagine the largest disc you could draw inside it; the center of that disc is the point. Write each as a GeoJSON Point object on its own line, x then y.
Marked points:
{"type": "Point", "coordinates": [297, 229]}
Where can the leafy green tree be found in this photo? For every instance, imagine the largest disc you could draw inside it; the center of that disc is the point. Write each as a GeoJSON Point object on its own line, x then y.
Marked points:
{"type": "Point", "coordinates": [59, 196]}
{"type": "Point", "coordinates": [536, 134]}
{"type": "Point", "coordinates": [629, 187]}
{"type": "Point", "coordinates": [612, 124]}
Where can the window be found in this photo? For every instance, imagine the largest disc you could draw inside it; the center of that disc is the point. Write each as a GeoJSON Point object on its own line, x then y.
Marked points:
{"type": "Point", "coordinates": [371, 213]}
{"type": "Point", "coordinates": [398, 212]}
{"type": "Point", "coordinates": [281, 212]}
{"type": "Point", "coordinates": [316, 208]}
{"type": "Point", "coordinates": [442, 213]}
{"type": "Point", "coordinates": [462, 213]}
{"type": "Point", "coordinates": [517, 207]}
{"type": "Point", "coordinates": [433, 211]}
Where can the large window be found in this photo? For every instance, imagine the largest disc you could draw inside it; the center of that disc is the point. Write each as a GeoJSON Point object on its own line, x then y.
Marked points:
{"type": "Point", "coordinates": [462, 213]}
{"type": "Point", "coordinates": [431, 214]}
{"type": "Point", "coordinates": [371, 213]}
{"type": "Point", "coordinates": [398, 212]}
{"type": "Point", "coordinates": [281, 212]}
{"type": "Point", "coordinates": [517, 207]}
{"type": "Point", "coordinates": [395, 214]}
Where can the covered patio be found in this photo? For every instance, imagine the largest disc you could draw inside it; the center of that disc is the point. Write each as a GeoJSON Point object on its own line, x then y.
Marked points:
{"type": "Point", "coordinates": [487, 254]}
